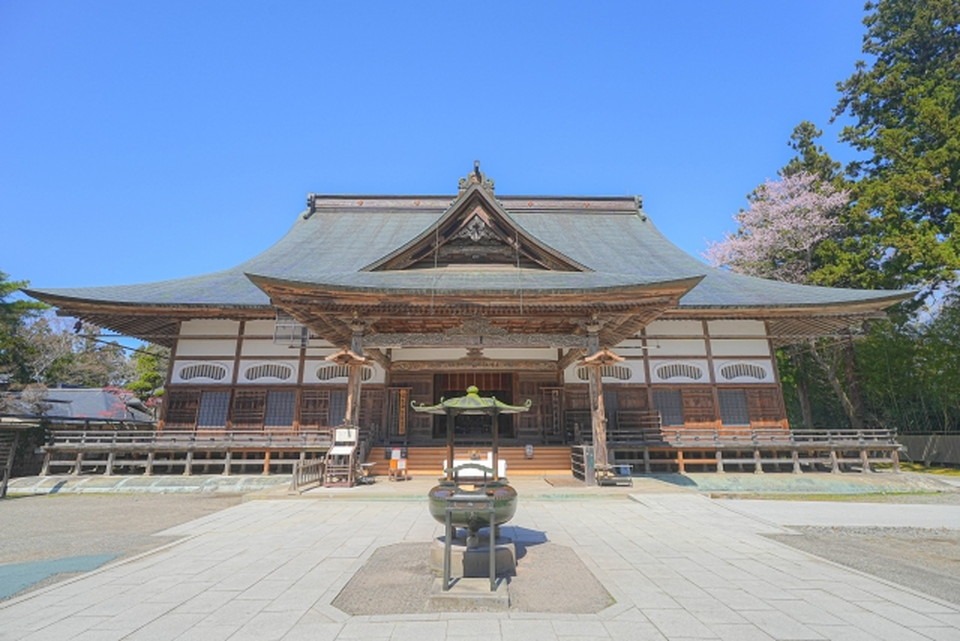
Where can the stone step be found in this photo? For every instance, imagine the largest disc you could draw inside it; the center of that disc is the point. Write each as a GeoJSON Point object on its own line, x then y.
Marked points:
{"type": "Point", "coordinates": [428, 460]}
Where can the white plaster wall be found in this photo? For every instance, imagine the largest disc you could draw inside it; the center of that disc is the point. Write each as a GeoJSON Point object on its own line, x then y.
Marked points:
{"type": "Point", "coordinates": [740, 347]}
{"type": "Point", "coordinates": [318, 346]}
{"type": "Point", "coordinates": [262, 347]}
{"type": "Point", "coordinates": [209, 327]}
{"type": "Point", "coordinates": [206, 347]}
{"type": "Point", "coordinates": [676, 347]}
{"type": "Point", "coordinates": [179, 365]}
{"type": "Point", "coordinates": [702, 364]}
{"type": "Point", "coordinates": [675, 328]}
{"type": "Point", "coordinates": [767, 366]}
{"type": "Point", "coordinates": [245, 365]}
{"type": "Point", "coordinates": [259, 328]}
{"type": "Point", "coordinates": [737, 328]}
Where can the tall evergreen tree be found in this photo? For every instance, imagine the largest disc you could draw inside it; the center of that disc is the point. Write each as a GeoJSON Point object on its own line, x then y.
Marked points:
{"type": "Point", "coordinates": [905, 106]}
{"type": "Point", "coordinates": [13, 315]}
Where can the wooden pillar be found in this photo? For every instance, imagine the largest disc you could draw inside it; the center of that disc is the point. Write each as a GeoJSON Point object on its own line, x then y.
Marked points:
{"type": "Point", "coordinates": [451, 421]}
{"type": "Point", "coordinates": [598, 418]}
{"type": "Point", "coordinates": [598, 415]}
{"type": "Point", "coordinates": [45, 470]}
{"type": "Point", "coordinates": [7, 470]}
{"type": "Point", "coordinates": [354, 381]}
{"type": "Point", "coordinates": [495, 450]}
{"type": "Point", "coordinates": [354, 361]}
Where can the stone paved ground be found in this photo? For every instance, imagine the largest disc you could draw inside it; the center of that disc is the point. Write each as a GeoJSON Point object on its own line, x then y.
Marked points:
{"type": "Point", "coordinates": [679, 566]}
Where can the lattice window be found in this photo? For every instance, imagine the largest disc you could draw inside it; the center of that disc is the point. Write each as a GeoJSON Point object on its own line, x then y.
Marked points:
{"type": "Point", "coordinates": [618, 372]}
{"type": "Point", "coordinates": [279, 371]}
{"type": "Point", "coordinates": [670, 405]}
{"type": "Point", "coordinates": [314, 408]}
{"type": "Point", "coordinates": [182, 406]}
{"type": "Point", "coordinates": [211, 371]}
{"type": "Point", "coordinates": [743, 370]}
{"type": "Point", "coordinates": [213, 410]}
{"type": "Point", "coordinates": [248, 408]}
{"type": "Point", "coordinates": [733, 407]}
{"type": "Point", "coordinates": [679, 370]}
{"type": "Point", "coordinates": [281, 406]}
{"type": "Point", "coordinates": [331, 371]}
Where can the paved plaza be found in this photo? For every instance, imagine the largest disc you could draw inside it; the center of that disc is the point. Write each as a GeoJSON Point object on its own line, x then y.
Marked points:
{"type": "Point", "coordinates": [678, 565]}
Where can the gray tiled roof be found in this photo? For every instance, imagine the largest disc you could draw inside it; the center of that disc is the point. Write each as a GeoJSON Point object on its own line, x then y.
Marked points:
{"type": "Point", "coordinates": [611, 237]}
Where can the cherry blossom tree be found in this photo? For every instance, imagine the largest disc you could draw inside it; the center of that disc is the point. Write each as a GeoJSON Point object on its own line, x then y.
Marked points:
{"type": "Point", "coordinates": [780, 230]}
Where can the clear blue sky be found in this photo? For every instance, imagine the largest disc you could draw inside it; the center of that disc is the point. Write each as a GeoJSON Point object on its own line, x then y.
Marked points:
{"type": "Point", "coordinates": [149, 140]}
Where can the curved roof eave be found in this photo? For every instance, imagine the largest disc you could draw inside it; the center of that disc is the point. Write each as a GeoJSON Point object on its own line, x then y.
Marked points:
{"type": "Point", "coordinates": [566, 285]}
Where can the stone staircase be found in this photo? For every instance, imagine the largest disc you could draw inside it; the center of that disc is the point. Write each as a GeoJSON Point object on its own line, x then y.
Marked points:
{"type": "Point", "coordinates": [548, 460]}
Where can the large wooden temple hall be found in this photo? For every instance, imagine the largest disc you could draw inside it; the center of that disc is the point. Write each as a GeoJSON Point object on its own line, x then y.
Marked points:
{"type": "Point", "coordinates": [370, 302]}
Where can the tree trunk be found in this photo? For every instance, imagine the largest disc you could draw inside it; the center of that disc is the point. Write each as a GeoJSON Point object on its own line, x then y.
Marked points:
{"type": "Point", "coordinates": [850, 375]}
{"type": "Point", "coordinates": [803, 390]}
{"type": "Point", "coordinates": [803, 397]}
{"type": "Point", "coordinates": [856, 422]}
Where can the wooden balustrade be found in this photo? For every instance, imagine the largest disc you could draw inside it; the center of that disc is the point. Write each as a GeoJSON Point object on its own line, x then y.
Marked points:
{"type": "Point", "coordinates": [186, 451]}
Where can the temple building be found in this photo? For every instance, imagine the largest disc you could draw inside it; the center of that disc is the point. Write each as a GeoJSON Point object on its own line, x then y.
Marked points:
{"type": "Point", "coordinates": [578, 304]}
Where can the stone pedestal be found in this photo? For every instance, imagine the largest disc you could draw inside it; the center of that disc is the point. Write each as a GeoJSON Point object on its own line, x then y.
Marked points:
{"type": "Point", "coordinates": [473, 562]}
{"type": "Point", "coordinates": [470, 595]}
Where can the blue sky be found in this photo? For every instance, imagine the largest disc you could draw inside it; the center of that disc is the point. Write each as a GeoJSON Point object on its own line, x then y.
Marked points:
{"type": "Point", "coordinates": [149, 140]}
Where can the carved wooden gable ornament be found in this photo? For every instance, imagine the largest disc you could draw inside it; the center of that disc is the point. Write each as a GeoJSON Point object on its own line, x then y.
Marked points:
{"type": "Point", "coordinates": [475, 231]}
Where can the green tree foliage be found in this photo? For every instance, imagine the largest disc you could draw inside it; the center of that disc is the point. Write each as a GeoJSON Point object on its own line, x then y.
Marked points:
{"type": "Point", "coordinates": [13, 316]}
{"type": "Point", "coordinates": [150, 371]}
{"type": "Point", "coordinates": [905, 107]}
{"type": "Point", "coordinates": [811, 157]}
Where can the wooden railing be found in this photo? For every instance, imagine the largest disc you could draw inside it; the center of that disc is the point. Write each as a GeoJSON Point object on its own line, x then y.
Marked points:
{"type": "Point", "coordinates": [307, 474]}
{"type": "Point", "coordinates": [108, 451]}
{"type": "Point", "coordinates": [746, 449]}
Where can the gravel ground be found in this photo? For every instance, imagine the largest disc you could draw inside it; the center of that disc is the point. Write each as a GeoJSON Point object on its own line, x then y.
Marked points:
{"type": "Point", "coordinates": [37, 528]}
{"type": "Point", "coordinates": [397, 580]}
{"type": "Point", "coordinates": [922, 559]}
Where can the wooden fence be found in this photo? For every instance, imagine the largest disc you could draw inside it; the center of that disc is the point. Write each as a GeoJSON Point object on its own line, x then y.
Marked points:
{"type": "Point", "coordinates": [170, 451]}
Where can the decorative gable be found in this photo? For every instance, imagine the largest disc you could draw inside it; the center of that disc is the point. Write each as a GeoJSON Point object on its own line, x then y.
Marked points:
{"type": "Point", "coordinates": [475, 231]}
